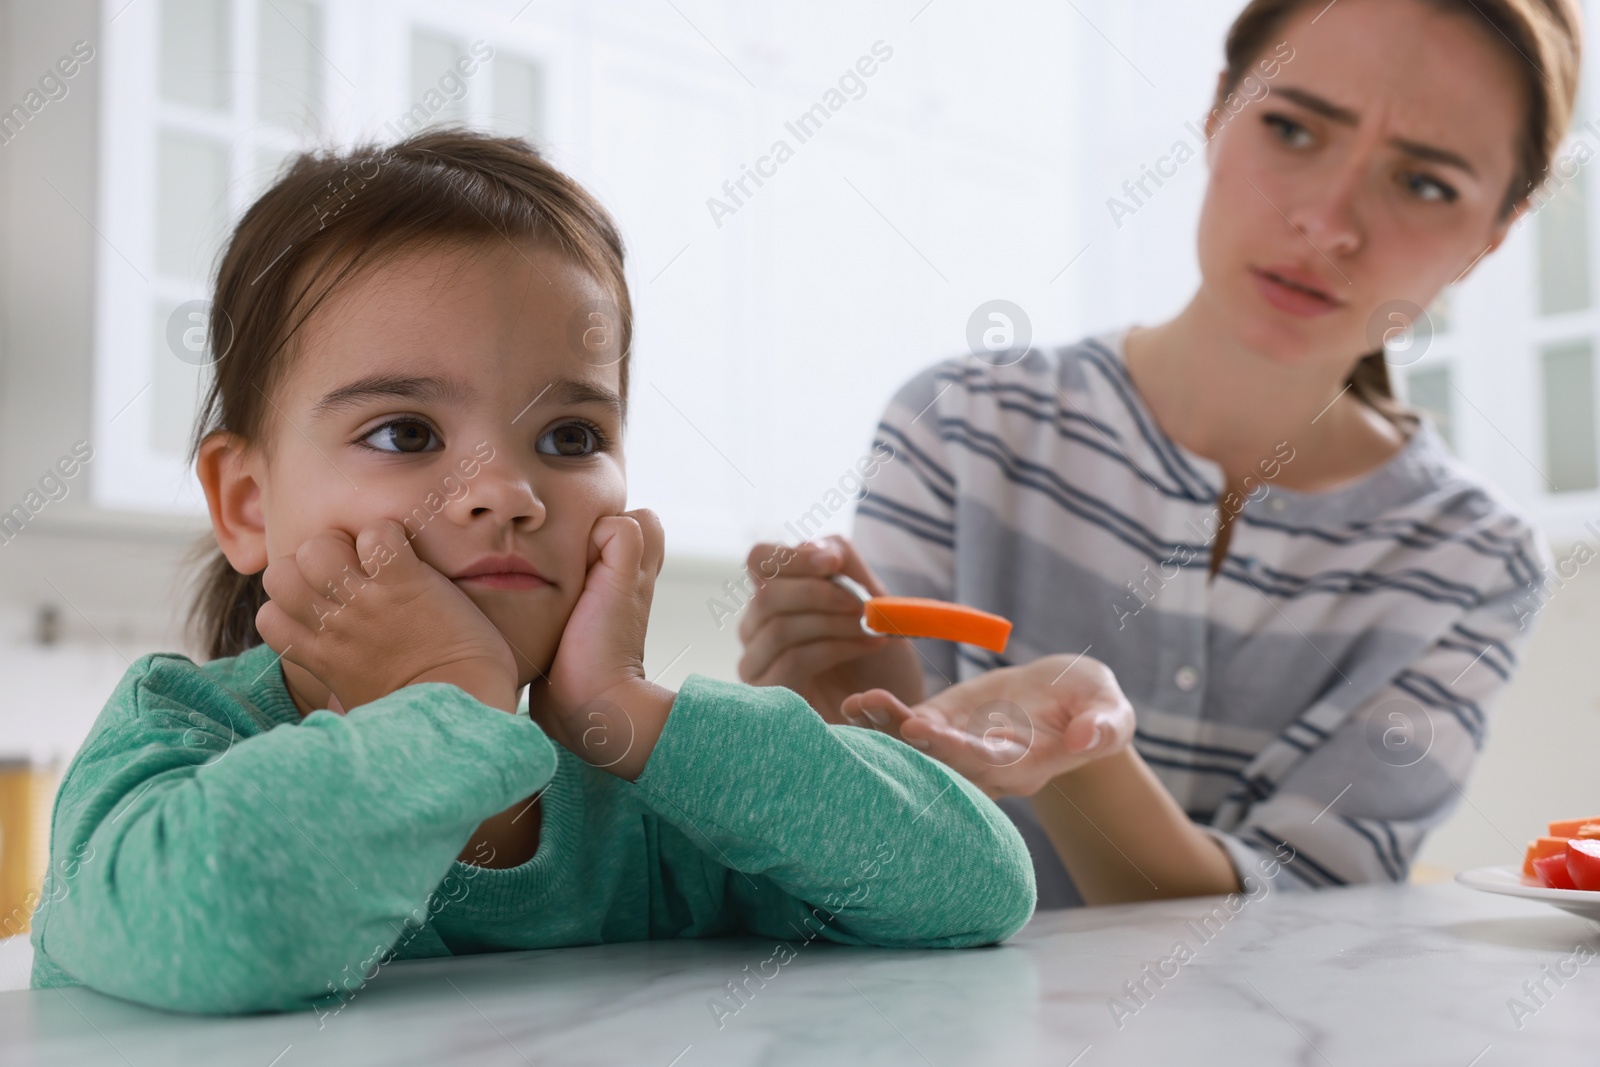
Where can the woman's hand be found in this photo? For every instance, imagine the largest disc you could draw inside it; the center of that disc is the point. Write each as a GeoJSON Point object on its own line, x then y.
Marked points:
{"type": "Point", "coordinates": [596, 700]}
{"type": "Point", "coordinates": [1010, 730]}
{"type": "Point", "coordinates": [366, 617]}
{"type": "Point", "coordinates": [803, 631]}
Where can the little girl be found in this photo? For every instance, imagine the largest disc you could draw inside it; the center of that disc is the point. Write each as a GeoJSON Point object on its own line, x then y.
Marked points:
{"type": "Point", "coordinates": [411, 453]}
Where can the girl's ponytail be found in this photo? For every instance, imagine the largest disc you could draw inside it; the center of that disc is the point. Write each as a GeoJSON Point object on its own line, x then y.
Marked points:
{"type": "Point", "coordinates": [222, 616]}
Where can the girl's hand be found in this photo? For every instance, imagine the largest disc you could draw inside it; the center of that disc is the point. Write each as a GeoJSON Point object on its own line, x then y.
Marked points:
{"type": "Point", "coordinates": [1010, 730]}
{"type": "Point", "coordinates": [803, 631]}
{"type": "Point", "coordinates": [596, 701]}
{"type": "Point", "coordinates": [367, 617]}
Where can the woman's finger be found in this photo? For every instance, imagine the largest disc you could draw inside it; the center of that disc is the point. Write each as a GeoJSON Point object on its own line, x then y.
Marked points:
{"type": "Point", "coordinates": [1086, 734]}
{"type": "Point", "coordinates": [780, 646]}
{"type": "Point", "coordinates": [795, 596]}
{"type": "Point", "coordinates": [876, 709]}
{"type": "Point", "coordinates": [798, 665]}
{"type": "Point", "coordinates": [1120, 721]}
{"type": "Point", "coordinates": [809, 559]}
{"type": "Point", "coordinates": [853, 565]}
{"type": "Point", "coordinates": [965, 753]}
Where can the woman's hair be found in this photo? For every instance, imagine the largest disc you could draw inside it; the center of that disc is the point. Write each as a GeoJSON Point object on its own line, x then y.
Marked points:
{"type": "Point", "coordinates": [334, 214]}
{"type": "Point", "coordinates": [1543, 37]}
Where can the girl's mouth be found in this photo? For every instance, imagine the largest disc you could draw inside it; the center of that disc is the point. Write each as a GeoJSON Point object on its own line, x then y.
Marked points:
{"type": "Point", "coordinates": [503, 572]}
{"type": "Point", "coordinates": [506, 580]}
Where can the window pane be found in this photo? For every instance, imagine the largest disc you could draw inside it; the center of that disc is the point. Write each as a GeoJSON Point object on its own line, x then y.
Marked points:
{"type": "Point", "coordinates": [191, 213]}
{"type": "Point", "coordinates": [1569, 433]}
{"type": "Point", "coordinates": [195, 52]}
{"type": "Point", "coordinates": [174, 383]}
{"type": "Point", "coordinates": [1428, 388]}
{"type": "Point", "coordinates": [1564, 247]}
{"type": "Point", "coordinates": [290, 70]}
{"type": "Point", "coordinates": [438, 91]}
{"type": "Point", "coordinates": [518, 98]}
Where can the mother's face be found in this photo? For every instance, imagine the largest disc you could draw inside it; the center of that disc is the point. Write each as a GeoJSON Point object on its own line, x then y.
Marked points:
{"type": "Point", "coordinates": [1375, 166]}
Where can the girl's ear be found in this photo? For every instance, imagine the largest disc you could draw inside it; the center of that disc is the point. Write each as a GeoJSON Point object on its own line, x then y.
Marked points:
{"type": "Point", "coordinates": [229, 475]}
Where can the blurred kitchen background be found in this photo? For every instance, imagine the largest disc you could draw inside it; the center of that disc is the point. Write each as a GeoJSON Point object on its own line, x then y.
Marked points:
{"type": "Point", "coordinates": [976, 162]}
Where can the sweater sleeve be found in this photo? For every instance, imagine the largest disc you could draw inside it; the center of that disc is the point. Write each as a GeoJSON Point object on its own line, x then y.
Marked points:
{"type": "Point", "coordinates": [832, 831]}
{"type": "Point", "coordinates": [201, 871]}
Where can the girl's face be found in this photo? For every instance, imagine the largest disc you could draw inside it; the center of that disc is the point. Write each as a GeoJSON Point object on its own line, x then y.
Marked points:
{"type": "Point", "coordinates": [1373, 169]}
{"type": "Point", "coordinates": [469, 394]}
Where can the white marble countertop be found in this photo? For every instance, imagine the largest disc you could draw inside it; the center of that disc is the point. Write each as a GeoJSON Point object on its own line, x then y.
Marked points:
{"type": "Point", "coordinates": [1353, 978]}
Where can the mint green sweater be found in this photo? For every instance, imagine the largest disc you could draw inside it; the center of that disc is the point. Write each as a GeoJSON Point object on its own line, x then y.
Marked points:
{"type": "Point", "coordinates": [212, 851]}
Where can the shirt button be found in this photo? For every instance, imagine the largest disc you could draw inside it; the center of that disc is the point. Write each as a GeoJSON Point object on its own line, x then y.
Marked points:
{"type": "Point", "coordinates": [1186, 678]}
{"type": "Point", "coordinates": [1277, 503]}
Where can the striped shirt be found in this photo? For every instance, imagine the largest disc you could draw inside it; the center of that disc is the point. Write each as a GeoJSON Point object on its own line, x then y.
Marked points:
{"type": "Point", "coordinates": [1322, 698]}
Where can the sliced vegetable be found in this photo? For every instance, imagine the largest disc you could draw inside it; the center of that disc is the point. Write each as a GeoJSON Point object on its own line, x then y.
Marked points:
{"type": "Point", "coordinates": [1539, 849]}
{"type": "Point", "coordinates": [1571, 827]}
{"type": "Point", "coordinates": [1583, 864]}
{"type": "Point", "coordinates": [1552, 872]}
{"type": "Point", "coordinates": [910, 616]}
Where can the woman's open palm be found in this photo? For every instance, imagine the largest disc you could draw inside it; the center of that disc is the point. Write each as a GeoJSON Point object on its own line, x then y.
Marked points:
{"type": "Point", "coordinates": [1010, 730]}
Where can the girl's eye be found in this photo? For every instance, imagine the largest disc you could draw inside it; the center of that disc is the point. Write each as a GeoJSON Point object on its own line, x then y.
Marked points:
{"type": "Point", "coordinates": [1287, 129]}
{"type": "Point", "coordinates": [404, 436]}
{"type": "Point", "coordinates": [571, 439]}
{"type": "Point", "coordinates": [1428, 188]}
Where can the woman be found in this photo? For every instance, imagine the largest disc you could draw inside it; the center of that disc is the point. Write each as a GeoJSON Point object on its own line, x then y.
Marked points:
{"type": "Point", "coordinates": [1307, 600]}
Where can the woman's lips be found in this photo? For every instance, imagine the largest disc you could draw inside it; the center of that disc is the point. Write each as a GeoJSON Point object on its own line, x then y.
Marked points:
{"type": "Point", "coordinates": [506, 580]}
{"type": "Point", "coordinates": [1291, 299]}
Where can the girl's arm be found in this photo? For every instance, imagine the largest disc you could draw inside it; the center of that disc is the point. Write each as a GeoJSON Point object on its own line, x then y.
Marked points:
{"type": "Point", "coordinates": [777, 813]}
{"type": "Point", "coordinates": [196, 869]}
{"type": "Point", "coordinates": [805, 829]}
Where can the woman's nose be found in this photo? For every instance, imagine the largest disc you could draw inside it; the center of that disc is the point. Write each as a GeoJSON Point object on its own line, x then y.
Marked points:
{"type": "Point", "coordinates": [1327, 214]}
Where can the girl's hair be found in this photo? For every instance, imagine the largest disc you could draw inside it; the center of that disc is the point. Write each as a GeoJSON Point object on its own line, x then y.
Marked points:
{"type": "Point", "coordinates": [332, 215]}
{"type": "Point", "coordinates": [1543, 37]}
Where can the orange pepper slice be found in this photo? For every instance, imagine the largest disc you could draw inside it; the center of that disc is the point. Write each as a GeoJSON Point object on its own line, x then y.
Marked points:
{"type": "Point", "coordinates": [912, 616]}
{"type": "Point", "coordinates": [1570, 827]}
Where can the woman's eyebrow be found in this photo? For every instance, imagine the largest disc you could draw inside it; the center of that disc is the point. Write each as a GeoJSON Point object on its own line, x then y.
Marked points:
{"type": "Point", "coordinates": [1345, 117]}
{"type": "Point", "coordinates": [393, 387]}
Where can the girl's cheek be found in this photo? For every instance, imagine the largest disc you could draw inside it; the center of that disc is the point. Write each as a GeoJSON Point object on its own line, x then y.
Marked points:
{"type": "Point", "coordinates": [605, 494]}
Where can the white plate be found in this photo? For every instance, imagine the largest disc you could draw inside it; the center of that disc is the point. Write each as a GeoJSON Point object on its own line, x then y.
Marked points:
{"type": "Point", "coordinates": [1507, 881]}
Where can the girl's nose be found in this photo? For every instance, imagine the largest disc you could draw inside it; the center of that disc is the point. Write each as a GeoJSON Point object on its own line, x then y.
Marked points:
{"type": "Point", "coordinates": [501, 492]}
